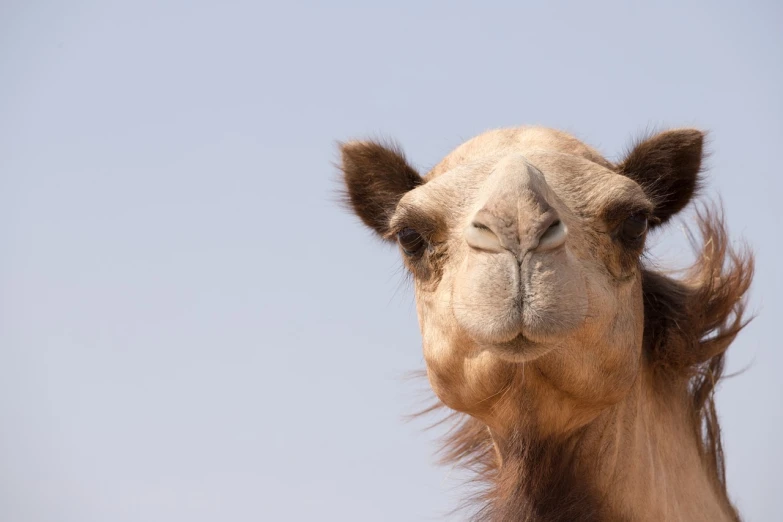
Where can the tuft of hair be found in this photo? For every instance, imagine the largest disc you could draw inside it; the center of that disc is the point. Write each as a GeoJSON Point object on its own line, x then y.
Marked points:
{"type": "Point", "coordinates": [539, 469]}
{"type": "Point", "coordinates": [690, 322]}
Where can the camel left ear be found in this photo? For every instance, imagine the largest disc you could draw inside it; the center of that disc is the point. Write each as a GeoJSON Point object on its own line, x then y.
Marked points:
{"type": "Point", "coordinates": [667, 167]}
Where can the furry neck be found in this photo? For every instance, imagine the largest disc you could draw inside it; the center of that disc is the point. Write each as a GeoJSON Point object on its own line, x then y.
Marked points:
{"type": "Point", "coordinates": [637, 460]}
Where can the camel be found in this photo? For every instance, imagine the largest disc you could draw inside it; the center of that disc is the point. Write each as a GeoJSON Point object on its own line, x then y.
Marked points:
{"type": "Point", "coordinates": [581, 377]}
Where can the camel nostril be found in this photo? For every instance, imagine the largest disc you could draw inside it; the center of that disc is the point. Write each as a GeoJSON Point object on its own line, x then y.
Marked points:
{"type": "Point", "coordinates": [481, 237]}
{"type": "Point", "coordinates": [553, 237]}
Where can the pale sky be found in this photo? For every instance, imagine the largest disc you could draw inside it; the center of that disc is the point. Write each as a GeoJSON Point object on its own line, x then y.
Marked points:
{"type": "Point", "coordinates": [191, 329]}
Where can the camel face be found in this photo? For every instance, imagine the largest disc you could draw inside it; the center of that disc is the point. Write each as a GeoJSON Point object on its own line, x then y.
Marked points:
{"type": "Point", "coordinates": [520, 254]}
{"type": "Point", "coordinates": [524, 245]}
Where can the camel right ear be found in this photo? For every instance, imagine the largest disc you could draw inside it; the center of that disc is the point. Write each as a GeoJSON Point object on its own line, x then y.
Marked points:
{"type": "Point", "coordinates": [376, 177]}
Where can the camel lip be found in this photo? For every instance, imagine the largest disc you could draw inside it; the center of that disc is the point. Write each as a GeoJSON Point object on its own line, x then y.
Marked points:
{"type": "Point", "coordinates": [521, 349]}
{"type": "Point", "coordinates": [519, 341]}
{"type": "Point", "coordinates": [512, 340]}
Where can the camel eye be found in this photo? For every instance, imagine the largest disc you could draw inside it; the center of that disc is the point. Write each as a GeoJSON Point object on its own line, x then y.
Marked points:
{"type": "Point", "coordinates": [411, 242]}
{"type": "Point", "coordinates": [634, 227]}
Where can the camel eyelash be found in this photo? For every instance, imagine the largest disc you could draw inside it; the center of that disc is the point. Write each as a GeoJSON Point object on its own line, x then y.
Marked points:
{"type": "Point", "coordinates": [619, 212]}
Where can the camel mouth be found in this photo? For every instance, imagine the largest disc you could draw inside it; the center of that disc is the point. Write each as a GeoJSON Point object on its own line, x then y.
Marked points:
{"type": "Point", "coordinates": [521, 342]}
{"type": "Point", "coordinates": [521, 349]}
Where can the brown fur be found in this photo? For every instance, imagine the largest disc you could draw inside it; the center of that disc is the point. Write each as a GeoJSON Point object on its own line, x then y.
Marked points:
{"type": "Point", "coordinates": [538, 479]}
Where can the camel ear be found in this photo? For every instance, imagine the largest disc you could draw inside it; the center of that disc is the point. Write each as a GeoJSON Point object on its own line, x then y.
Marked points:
{"type": "Point", "coordinates": [667, 167]}
{"type": "Point", "coordinates": [376, 177]}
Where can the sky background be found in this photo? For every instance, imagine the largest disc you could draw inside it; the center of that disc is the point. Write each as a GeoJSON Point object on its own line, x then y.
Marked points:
{"type": "Point", "coordinates": [191, 329]}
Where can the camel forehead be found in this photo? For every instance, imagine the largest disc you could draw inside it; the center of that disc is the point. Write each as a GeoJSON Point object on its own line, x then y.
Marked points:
{"type": "Point", "coordinates": [584, 185]}
{"type": "Point", "coordinates": [519, 140]}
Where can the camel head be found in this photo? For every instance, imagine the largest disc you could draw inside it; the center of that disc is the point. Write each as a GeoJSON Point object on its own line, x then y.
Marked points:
{"type": "Point", "coordinates": [524, 246]}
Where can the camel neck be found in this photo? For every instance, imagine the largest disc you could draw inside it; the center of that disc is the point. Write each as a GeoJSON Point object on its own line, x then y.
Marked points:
{"type": "Point", "coordinates": [649, 458]}
{"type": "Point", "coordinates": [638, 460]}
